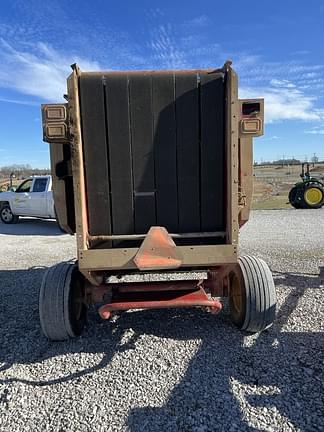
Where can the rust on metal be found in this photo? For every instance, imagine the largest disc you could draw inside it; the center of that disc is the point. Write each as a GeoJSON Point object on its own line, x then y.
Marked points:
{"type": "Point", "coordinates": [97, 294]}
{"type": "Point", "coordinates": [159, 300]}
{"type": "Point", "coordinates": [178, 293]}
{"type": "Point", "coordinates": [159, 286]}
{"type": "Point", "coordinates": [77, 161]}
{"type": "Point", "coordinates": [158, 251]}
{"type": "Point", "coordinates": [94, 238]}
{"type": "Point", "coordinates": [123, 259]}
{"type": "Point", "coordinates": [158, 71]}
{"type": "Point", "coordinates": [217, 282]}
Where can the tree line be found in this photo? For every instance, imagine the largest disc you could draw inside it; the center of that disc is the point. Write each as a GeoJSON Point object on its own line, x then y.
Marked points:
{"type": "Point", "coordinates": [22, 171]}
{"type": "Point", "coordinates": [284, 162]}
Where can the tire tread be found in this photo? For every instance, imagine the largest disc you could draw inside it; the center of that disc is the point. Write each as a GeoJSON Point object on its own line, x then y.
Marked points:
{"type": "Point", "coordinates": [53, 316]}
{"type": "Point", "coordinates": [260, 294]}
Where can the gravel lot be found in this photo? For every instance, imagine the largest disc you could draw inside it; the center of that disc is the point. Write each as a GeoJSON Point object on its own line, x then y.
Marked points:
{"type": "Point", "coordinates": [169, 370]}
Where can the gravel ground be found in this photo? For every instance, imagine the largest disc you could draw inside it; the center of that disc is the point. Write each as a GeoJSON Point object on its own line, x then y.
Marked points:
{"type": "Point", "coordinates": [169, 370]}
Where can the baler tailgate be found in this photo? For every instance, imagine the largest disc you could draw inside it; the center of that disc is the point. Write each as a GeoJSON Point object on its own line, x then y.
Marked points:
{"type": "Point", "coordinates": [159, 152]}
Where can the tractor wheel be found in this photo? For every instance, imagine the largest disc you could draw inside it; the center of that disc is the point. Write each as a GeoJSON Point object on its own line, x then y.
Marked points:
{"type": "Point", "coordinates": [7, 216]}
{"type": "Point", "coordinates": [313, 196]}
{"type": "Point", "coordinates": [62, 307]}
{"type": "Point", "coordinates": [252, 295]}
{"type": "Point", "coordinates": [293, 198]}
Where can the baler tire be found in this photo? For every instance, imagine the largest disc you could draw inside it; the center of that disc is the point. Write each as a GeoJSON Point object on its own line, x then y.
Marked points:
{"type": "Point", "coordinates": [258, 295]}
{"type": "Point", "coordinates": [292, 198]}
{"type": "Point", "coordinates": [58, 302]}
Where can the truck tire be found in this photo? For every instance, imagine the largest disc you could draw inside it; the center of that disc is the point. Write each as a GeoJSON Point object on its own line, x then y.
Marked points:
{"type": "Point", "coordinates": [252, 295]}
{"type": "Point", "coordinates": [7, 216]}
{"type": "Point", "coordinates": [313, 196]}
{"type": "Point", "coordinates": [62, 309]}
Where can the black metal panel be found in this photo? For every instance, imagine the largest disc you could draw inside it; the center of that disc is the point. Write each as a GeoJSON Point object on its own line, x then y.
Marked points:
{"type": "Point", "coordinates": [95, 154]}
{"type": "Point", "coordinates": [154, 147]}
{"type": "Point", "coordinates": [140, 91]}
{"type": "Point", "coordinates": [165, 151]}
{"type": "Point", "coordinates": [212, 152]}
{"type": "Point", "coordinates": [120, 155]}
{"type": "Point", "coordinates": [188, 153]}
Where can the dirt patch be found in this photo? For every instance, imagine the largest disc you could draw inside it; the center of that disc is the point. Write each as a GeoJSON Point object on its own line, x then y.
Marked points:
{"type": "Point", "coordinates": [272, 195]}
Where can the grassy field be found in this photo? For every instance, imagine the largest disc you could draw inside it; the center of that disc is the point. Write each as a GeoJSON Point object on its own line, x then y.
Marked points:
{"type": "Point", "coordinates": [273, 183]}
{"type": "Point", "coordinates": [271, 193]}
{"type": "Point", "coordinates": [277, 200]}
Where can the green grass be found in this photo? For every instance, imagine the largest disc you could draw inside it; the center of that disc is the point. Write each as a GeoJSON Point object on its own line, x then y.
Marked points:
{"type": "Point", "coordinates": [272, 203]}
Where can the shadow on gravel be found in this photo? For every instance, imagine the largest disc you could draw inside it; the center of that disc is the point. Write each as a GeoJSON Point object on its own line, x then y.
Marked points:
{"type": "Point", "coordinates": [25, 226]}
{"type": "Point", "coordinates": [276, 370]}
{"type": "Point", "coordinates": [279, 370]}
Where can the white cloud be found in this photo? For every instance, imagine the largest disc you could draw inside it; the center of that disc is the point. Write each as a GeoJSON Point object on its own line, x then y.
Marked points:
{"type": "Point", "coordinates": [292, 72]}
{"type": "Point", "coordinates": [316, 130]}
{"type": "Point", "coordinates": [284, 102]}
{"type": "Point", "coordinates": [40, 73]}
{"type": "Point", "coordinates": [290, 89]}
{"type": "Point", "coordinates": [165, 49]}
{"type": "Point", "coordinates": [199, 21]}
{"type": "Point", "coordinates": [18, 101]}
{"type": "Point", "coordinates": [282, 83]}
{"type": "Point", "coordinates": [272, 138]}
{"type": "Point", "coordinates": [245, 62]}
{"type": "Point", "coordinates": [300, 52]}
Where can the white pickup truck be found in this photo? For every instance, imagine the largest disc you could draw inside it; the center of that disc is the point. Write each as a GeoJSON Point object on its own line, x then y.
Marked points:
{"type": "Point", "coordinates": [33, 197]}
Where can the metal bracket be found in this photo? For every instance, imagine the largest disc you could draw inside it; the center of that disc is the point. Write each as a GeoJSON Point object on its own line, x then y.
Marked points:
{"type": "Point", "coordinates": [158, 251]}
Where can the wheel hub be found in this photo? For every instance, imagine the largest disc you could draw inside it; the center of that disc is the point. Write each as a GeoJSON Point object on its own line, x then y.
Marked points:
{"type": "Point", "coordinates": [313, 196]}
{"type": "Point", "coordinates": [6, 215]}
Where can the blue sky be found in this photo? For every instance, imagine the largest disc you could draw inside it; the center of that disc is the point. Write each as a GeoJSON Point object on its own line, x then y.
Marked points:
{"type": "Point", "coordinates": [276, 47]}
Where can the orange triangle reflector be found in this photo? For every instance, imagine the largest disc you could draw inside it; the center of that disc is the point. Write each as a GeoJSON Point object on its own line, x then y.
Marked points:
{"type": "Point", "coordinates": [158, 251]}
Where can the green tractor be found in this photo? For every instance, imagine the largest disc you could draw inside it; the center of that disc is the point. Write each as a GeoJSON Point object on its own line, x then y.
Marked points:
{"type": "Point", "coordinates": [309, 193]}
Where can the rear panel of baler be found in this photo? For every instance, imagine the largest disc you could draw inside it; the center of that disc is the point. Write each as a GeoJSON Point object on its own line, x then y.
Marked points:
{"type": "Point", "coordinates": [153, 172]}
{"type": "Point", "coordinates": [154, 153]}
{"type": "Point", "coordinates": [153, 148]}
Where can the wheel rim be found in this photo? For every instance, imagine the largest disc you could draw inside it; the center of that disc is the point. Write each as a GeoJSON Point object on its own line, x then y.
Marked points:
{"type": "Point", "coordinates": [6, 215]}
{"type": "Point", "coordinates": [236, 293]}
{"type": "Point", "coordinates": [313, 196]}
